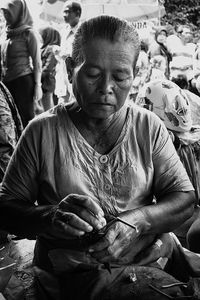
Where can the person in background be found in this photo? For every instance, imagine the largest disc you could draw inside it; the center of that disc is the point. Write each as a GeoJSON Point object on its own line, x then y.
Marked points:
{"type": "Point", "coordinates": [172, 105]}
{"type": "Point", "coordinates": [50, 46]}
{"type": "Point", "coordinates": [71, 13]}
{"type": "Point", "coordinates": [95, 167]}
{"type": "Point", "coordinates": [10, 130]}
{"type": "Point", "coordinates": [142, 71]}
{"type": "Point", "coordinates": [182, 54]}
{"type": "Point", "coordinates": [181, 81]}
{"type": "Point", "coordinates": [159, 53]}
{"type": "Point", "coordinates": [195, 82]}
{"type": "Point", "coordinates": [20, 58]}
{"type": "Point", "coordinates": [157, 67]}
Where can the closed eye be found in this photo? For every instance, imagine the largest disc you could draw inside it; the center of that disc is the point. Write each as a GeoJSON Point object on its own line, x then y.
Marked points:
{"type": "Point", "coordinates": [121, 77]}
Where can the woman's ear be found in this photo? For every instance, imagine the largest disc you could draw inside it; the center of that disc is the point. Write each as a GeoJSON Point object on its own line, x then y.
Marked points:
{"type": "Point", "coordinates": [69, 62]}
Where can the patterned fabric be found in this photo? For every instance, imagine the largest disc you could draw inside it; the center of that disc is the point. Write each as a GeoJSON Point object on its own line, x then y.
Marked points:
{"type": "Point", "coordinates": [168, 101]}
{"type": "Point", "coordinates": [10, 128]}
{"type": "Point", "coordinates": [177, 108]}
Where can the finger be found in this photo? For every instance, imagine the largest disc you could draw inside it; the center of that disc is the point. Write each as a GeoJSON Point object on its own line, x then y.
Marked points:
{"type": "Point", "coordinates": [96, 222]}
{"type": "Point", "coordinates": [68, 229]}
{"type": "Point", "coordinates": [106, 241]}
{"type": "Point", "coordinates": [72, 220]}
{"type": "Point", "coordinates": [86, 202]}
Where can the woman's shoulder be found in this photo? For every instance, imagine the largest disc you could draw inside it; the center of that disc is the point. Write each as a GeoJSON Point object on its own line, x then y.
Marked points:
{"type": "Point", "coordinates": [146, 126]}
{"type": "Point", "coordinates": [139, 110]}
{"type": "Point", "coordinates": [141, 115]}
{"type": "Point", "coordinates": [52, 117]}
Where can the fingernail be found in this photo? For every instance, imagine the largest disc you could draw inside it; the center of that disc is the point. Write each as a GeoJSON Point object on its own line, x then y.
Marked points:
{"type": "Point", "coordinates": [101, 213]}
{"type": "Point", "coordinates": [81, 232]}
{"type": "Point", "coordinates": [90, 228]}
{"type": "Point", "coordinates": [103, 221]}
{"type": "Point", "coordinates": [99, 226]}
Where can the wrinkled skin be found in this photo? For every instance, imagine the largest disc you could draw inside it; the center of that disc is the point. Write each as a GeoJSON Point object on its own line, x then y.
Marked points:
{"type": "Point", "coordinates": [76, 215]}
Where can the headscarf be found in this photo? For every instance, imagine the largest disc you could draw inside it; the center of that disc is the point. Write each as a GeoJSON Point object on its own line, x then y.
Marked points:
{"type": "Point", "coordinates": [169, 102]}
{"type": "Point", "coordinates": [163, 49]}
{"type": "Point", "coordinates": [20, 11]}
{"type": "Point", "coordinates": [159, 30]}
{"type": "Point", "coordinates": [50, 36]}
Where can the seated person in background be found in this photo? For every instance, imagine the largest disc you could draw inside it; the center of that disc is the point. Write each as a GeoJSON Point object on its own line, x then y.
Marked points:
{"type": "Point", "coordinates": [10, 131]}
{"type": "Point", "coordinates": [95, 166]}
{"type": "Point", "coordinates": [193, 98]}
{"type": "Point", "coordinates": [10, 128]}
{"type": "Point", "coordinates": [172, 105]}
{"type": "Point", "coordinates": [182, 52]}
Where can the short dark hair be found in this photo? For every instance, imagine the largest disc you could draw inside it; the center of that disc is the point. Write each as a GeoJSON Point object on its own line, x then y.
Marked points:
{"type": "Point", "coordinates": [107, 27]}
{"type": "Point", "coordinates": [74, 6]}
{"type": "Point", "coordinates": [181, 81]}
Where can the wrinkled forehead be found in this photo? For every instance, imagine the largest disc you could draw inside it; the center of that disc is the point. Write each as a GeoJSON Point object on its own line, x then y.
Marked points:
{"type": "Point", "coordinates": [105, 46]}
{"type": "Point", "coordinates": [109, 43]}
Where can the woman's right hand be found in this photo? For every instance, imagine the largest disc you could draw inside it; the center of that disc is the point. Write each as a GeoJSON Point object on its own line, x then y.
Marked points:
{"type": "Point", "coordinates": [77, 214]}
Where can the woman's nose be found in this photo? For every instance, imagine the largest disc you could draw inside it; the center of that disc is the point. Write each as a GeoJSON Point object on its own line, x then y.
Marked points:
{"type": "Point", "coordinates": [106, 85]}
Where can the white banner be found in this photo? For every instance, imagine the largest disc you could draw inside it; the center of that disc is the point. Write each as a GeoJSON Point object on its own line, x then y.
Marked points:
{"type": "Point", "coordinates": [130, 12]}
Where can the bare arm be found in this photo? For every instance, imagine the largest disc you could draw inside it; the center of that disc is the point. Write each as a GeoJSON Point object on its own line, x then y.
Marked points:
{"type": "Point", "coordinates": [34, 50]}
{"type": "Point", "coordinates": [174, 209]}
{"type": "Point", "coordinates": [23, 219]}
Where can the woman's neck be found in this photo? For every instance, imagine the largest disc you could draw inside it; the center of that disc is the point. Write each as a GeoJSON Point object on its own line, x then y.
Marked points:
{"type": "Point", "coordinates": [101, 134]}
{"type": "Point", "coordinates": [102, 124]}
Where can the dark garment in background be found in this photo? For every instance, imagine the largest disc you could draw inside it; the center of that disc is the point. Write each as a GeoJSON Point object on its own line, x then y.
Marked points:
{"type": "Point", "coordinates": [193, 236]}
{"type": "Point", "coordinates": [49, 63]}
{"type": "Point", "coordinates": [22, 90]}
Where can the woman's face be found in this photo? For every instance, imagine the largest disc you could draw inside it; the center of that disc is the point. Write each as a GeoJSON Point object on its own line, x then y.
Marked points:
{"type": "Point", "coordinates": [101, 83]}
{"type": "Point", "coordinates": [161, 37]}
{"type": "Point", "coordinates": [10, 16]}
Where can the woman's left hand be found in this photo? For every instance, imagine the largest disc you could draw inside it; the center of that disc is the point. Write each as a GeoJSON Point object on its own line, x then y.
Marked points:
{"type": "Point", "coordinates": [37, 92]}
{"type": "Point", "coordinates": [112, 245]}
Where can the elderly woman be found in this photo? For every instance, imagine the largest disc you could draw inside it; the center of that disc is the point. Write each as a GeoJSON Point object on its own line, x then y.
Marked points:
{"type": "Point", "coordinates": [20, 58]}
{"type": "Point", "coordinates": [95, 167]}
